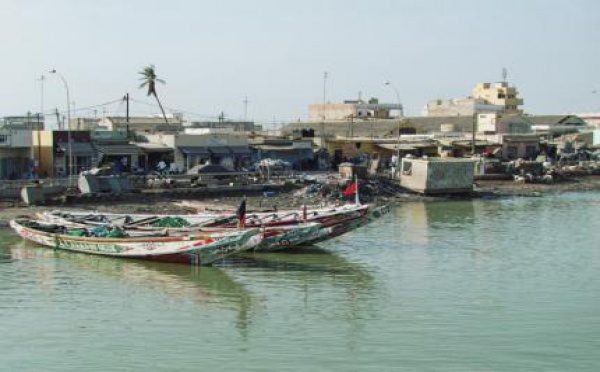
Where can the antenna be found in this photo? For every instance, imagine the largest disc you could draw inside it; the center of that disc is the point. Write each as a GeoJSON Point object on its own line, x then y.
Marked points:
{"type": "Point", "coordinates": [325, 76]}
{"type": "Point", "coordinates": [504, 74]}
{"type": "Point", "coordinates": [245, 108]}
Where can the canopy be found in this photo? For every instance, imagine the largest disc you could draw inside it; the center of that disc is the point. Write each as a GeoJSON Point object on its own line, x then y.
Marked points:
{"type": "Point", "coordinates": [79, 148]}
{"type": "Point", "coordinates": [122, 149]}
{"type": "Point", "coordinates": [240, 150]}
{"type": "Point", "coordinates": [194, 150]}
{"type": "Point", "coordinates": [219, 150]}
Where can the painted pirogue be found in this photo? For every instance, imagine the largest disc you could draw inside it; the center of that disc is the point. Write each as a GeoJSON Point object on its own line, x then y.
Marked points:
{"type": "Point", "coordinates": [200, 247]}
{"type": "Point", "coordinates": [283, 229]}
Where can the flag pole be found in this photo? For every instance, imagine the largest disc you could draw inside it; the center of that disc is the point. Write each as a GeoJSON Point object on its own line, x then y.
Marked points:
{"type": "Point", "coordinates": [357, 200]}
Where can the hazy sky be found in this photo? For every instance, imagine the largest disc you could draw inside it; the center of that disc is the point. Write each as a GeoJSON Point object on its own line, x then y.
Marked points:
{"type": "Point", "coordinates": [212, 54]}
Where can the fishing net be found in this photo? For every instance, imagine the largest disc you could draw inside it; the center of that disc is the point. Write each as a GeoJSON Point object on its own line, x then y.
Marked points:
{"type": "Point", "coordinates": [171, 222]}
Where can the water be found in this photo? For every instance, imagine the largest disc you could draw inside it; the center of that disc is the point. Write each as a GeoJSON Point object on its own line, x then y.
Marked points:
{"type": "Point", "coordinates": [500, 285]}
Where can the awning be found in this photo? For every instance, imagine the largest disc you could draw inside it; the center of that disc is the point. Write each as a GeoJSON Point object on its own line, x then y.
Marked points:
{"type": "Point", "coordinates": [153, 147]}
{"type": "Point", "coordinates": [194, 150]}
{"type": "Point", "coordinates": [276, 148]}
{"type": "Point", "coordinates": [403, 146]}
{"type": "Point", "coordinates": [219, 150]}
{"type": "Point", "coordinates": [123, 149]}
{"type": "Point", "coordinates": [240, 150]}
{"type": "Point", "coordinates": [77, 148]}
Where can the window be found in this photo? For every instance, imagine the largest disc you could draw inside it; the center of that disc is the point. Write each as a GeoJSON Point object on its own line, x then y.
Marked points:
{"type": "Point", "coordinates": [406, 168]}
{"type": "Point", "coordinates": [530, 151]}
{"type": "Point", "coordinates": [3, 139]}
{"type": "Point", "coordinates": [511, 152]}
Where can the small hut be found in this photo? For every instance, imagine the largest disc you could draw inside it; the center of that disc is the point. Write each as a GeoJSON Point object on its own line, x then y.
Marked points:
{"type": "Point", "coordinates": [437, 175]}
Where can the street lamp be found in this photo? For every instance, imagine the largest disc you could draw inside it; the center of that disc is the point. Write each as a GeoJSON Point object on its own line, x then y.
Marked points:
{"type": "Point", "coordinates": [400, 116]}
{"type": "Point", "coordinates": [70, 153]}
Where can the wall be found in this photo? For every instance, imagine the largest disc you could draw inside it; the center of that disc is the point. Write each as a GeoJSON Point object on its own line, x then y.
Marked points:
{"type": "Point", "coordinates": [339, 111]}
{"type": "Point", "coordinates": [437, 176]}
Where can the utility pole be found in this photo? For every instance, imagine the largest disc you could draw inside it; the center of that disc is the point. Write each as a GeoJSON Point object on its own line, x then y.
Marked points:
{"type": "Point", "coordinates": [325, 76]}
{"type": "Point", "coordinates": [30, 127]}
{"type": "Point", "coordinates": [245, 109]}
{"type": "Point", "coordinates": [58, 122]}
{"type": "Point", "coordinates": [41, 79]}
{"type": "Point", "coordinates": [38, 162]}
{"type": "Point", "coordinates": [474, 130]}
{"type": "Point", "coordinates": [351, 125]}
{"type": "Point", "coordinates": [126, 98]}
{"type": "Point", "coordinates": [322, 133]}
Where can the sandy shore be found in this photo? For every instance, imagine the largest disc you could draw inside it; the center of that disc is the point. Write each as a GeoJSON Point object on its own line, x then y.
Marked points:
{"type": "Point", "coordinates": [180, 205]}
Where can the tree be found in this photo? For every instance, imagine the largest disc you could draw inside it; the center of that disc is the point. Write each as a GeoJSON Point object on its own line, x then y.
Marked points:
{"type": "Point", "coordinates": [150, 79]}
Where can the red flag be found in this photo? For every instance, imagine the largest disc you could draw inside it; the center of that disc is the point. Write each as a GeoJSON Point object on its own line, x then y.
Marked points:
{"type": "Point", "coordinates": [241, 214]}
{"type": "Point", "coordinates": [350, 190]}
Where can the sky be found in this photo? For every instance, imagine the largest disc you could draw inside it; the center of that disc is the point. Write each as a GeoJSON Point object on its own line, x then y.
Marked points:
{"type": "Point", "coordinates": [273, 54]}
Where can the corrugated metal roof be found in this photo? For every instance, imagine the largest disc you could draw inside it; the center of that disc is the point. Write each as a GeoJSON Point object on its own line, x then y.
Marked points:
{"type": "Point", "coordinates": [122, 149]}
{"type": "Point", "coordinates": [240, 150]}
{"type": "Point", "coordinates": [276, 148]}
{"type": "Point", "coordinates": [405, 146]}
{"type": "Point", "coordinates": [153, 147]}
{"type": "Point", "coordinates": [194, 150]}
{"type": "Point", "coordinates": [219, 150]}
{"type": "Point", "coordinates": [83, 148]}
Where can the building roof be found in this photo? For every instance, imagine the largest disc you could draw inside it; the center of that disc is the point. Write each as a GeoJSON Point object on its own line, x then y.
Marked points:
{"type": "Point", "coordinates": [133, 120]}
{"type": "Point", "coordinates": [556, 120]}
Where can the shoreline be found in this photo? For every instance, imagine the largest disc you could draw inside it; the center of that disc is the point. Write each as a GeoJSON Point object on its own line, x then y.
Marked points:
{"type": "Point", "coordinates": [176, 204]}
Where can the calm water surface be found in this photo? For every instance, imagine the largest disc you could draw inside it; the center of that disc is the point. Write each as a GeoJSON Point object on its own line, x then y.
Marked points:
{"type": "Point", "coordinates": [503, 285]}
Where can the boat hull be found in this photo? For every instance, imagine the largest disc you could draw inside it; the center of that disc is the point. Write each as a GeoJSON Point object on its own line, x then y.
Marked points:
{"type": "Point", "coordinates": [202, 249]}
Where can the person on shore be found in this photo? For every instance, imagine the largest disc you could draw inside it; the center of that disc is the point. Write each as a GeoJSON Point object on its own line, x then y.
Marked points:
{"type": "Point", "coordinates": [161, 167]}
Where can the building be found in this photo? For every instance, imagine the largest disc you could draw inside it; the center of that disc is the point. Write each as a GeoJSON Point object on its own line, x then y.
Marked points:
{"type": "Point", "coordinates": [348, 110]}
{"type": "Point", "coordinates": [591, 118]}
{"type": "Point", "coordinates": [189, 150]}
{"type": "Point", "coordinates": [499, 94]}
{"type": "Point", "coordinates": [113, 148]}
{"type": "Point", "coordinates": [497, 123]}
{"type": "Point", "coordinates": [459, 107]}
{"type": "Point", "coordinates": [15, 154]}
{"type": "Point", "coordinates": [27, 122]}
{"type": "Point", "coordinates": [486, 98]}
{"type": "Point", "coordinates": [299, 153]}
{"type": "Point", "coordinates": [556, 125]}
{"type": "Point", "coordinates": [141, 124]}
{"type": "Point", "coordinates": [54, 155]}
{"type": "Point", "coordinates": [225, 126]}
{"type": "Point", "coordinates": [437, 175]}
{"type": "Point", "coordinates": [519, 146]}
{"type": "Point", "coordinates": [84, 124]}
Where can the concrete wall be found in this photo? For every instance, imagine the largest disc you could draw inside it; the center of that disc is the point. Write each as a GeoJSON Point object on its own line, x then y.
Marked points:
{"type": "Point", "coordinates": [437, 176]}
{"type": "Point", "coordinates": [339, 111]}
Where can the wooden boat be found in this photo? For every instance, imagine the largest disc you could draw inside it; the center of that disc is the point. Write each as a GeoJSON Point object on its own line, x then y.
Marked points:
{"type": "Point", "coordinates": [277, 227]}
{"type": "Point", "coordinates": [202, 248]}
{"type": "Point", "coordinates": [273, 238]}
{"type": "Point", "coordinates": [327, 215]}
{"type": "Point", "coordinates": [283, 237]}
{"type": "Point", "coordinates": [334, 230]}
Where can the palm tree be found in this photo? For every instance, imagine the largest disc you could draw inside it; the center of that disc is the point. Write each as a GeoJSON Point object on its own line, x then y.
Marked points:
{"type": "Point", "coordinates": [150, 79]}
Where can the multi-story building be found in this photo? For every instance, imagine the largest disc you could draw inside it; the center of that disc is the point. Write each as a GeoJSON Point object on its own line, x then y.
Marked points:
{"type": "Point", "coordinates": [459, 107]}
{"type": "Point", "coordinates": [141, 124]}
{"type": "Point", "coordinates": [499, 94]}
{"type": "Point", "coordinates": [487, 98]}
{"type": "Point", "coordinates": [27, 122]}
{"type": "Point", "coordinates": [358, 109]}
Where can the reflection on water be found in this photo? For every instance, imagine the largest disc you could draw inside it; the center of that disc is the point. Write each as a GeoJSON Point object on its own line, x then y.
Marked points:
{"type": "Point", "coordinates": [316, 278]}
{"type": "Point", "coordinates": [310, 271]}
{"type": "Point", "coordinates": [312, 262]}
{"type": "Point", "coordinates": [207, 287]}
